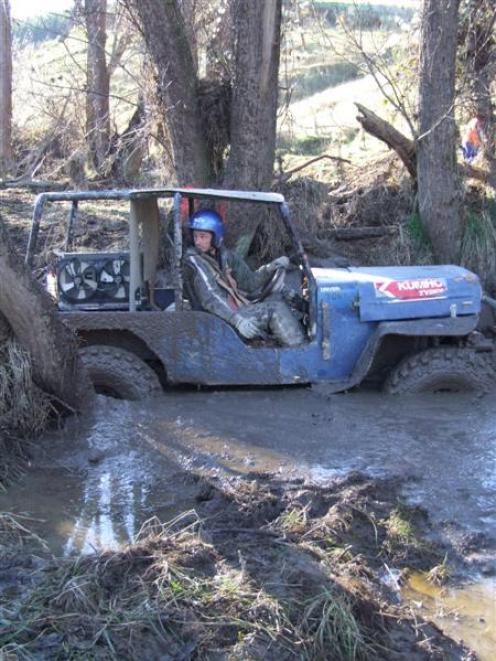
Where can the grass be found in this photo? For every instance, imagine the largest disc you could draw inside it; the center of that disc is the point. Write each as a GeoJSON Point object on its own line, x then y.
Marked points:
{"type": "Point", "coordinates": [321, 76]}
{"type": "Point", "coordinates": [416, 230]}
{"type": "Point", "coordinates": [401, 527]}
{"type": "Point", "coordinates": [309, 145]}
{"type": "Point", "coordinates": [24, 408]}
{"type": "Point", "coordinates": [272, 573]}
{"type": "Point", "coordinates": [14, 529]}
{"type": "Point", "coordinates": [24, 411]}
{"type": "Point", "coordinates": [439, 574]}
{"type": "Point", "coordinates": [328, 622]}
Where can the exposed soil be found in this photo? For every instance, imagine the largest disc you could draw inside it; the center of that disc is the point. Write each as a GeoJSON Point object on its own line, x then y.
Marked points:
{"type": "Point", "coordinates": [262, 568]}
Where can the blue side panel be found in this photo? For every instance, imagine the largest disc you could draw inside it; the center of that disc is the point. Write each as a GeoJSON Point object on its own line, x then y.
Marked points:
{"type": "Point", "coordinates": [340, 339]}
{"type": "Point", "coordinates": [204, 349]}
{"type": "Point", "coordinates": [348, 334]}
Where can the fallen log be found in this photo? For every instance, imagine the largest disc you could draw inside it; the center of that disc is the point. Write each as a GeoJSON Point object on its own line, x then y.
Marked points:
{"type": "Point", "coordinates": [30, 313]}
{"type": "Point", "coordinates": [32, 184]}
{"type": "Point", "coordinates": [366, 232]}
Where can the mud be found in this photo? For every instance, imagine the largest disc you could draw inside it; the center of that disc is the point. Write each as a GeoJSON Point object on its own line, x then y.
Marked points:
{"type": "Point", "coordinates": [122, 463]}
{"type": "Point", "coordinates": [91, 485]}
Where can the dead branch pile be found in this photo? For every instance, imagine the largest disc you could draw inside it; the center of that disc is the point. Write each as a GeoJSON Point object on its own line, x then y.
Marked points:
{"type": "Point", "coordinates": [370, 210]}
{"type": "Point", "coordinates": [378, 194]}
{"type": "Point", "coordinates": [307, 199]}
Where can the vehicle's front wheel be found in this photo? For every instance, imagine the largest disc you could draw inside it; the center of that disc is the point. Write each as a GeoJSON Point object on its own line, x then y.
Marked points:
{"type": "Point", "coordinates": [119, 373]}
{"type": "Point", "coordinates": [442, 369]}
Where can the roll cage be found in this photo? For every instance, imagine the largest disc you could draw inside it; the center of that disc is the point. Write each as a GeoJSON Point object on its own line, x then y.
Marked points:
{"type": "Point", "coordinates": [144, 228]}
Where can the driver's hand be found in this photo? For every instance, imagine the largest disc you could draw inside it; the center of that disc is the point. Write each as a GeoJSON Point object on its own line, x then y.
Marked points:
{"type": "Point", "coordinates": [247, 328]}
{"type": "Point", "coordinates": [280, 263]}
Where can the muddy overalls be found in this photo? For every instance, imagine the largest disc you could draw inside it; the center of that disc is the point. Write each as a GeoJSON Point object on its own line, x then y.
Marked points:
{"type": "Point", "coordinates": [225, 284]}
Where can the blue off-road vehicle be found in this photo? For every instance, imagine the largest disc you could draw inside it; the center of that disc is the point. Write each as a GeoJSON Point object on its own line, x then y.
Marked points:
{"type": "Point", "coordinates": [409, 329]}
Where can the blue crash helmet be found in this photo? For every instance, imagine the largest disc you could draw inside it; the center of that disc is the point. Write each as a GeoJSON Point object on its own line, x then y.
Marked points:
{"type": "Point", "coordinates": [207, 220]}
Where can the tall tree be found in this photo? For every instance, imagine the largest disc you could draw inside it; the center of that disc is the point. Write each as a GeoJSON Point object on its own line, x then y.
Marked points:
{"type": "Point", "coordinates": [250, 120]}
{"type": "Point", "coordinates": [254, 104]}
{"type": "Point", "coordinates": [165, 34]}
{"type": "Point", "coordinates": [5, 87]}
{"type": "Point", "coordinates": [97, 82]}
{"type": "Point", "coordinates": [439, 192]}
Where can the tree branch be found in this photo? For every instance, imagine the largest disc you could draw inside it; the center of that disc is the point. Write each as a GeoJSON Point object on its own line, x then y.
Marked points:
{"type": "Point", "coordinates": [384, 131]}
{"type": "Point", "coordinates": [284, 176]}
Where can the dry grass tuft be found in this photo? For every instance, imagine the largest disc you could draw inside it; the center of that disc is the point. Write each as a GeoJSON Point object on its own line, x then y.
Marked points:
{"type": "Point", "coordinates": [24, 408]}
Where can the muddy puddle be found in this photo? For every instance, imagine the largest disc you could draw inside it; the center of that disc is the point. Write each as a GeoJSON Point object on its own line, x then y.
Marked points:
{"type": "Point", "coordinates": [92, 484]}
{"type": "Point", "coordinates": [467, 612]}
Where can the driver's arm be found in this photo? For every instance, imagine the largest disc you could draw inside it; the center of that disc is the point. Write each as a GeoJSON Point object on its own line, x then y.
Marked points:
{"type": "Point", "coordinates": [248, 280]}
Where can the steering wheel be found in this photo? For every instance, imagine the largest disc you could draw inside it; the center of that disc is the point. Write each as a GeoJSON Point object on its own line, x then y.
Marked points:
{"type": "Point", "coordinates": [274, 284]}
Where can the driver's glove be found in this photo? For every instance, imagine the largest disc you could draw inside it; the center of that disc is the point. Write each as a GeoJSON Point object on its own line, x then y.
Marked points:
{"type": "Point", "coordinates": [279, 263]}
{"type": "Point", "coordinates": [247, 328]}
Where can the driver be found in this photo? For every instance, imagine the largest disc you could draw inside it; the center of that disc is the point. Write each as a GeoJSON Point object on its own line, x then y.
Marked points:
{"type": "Point", "coordinates": [224, 284]}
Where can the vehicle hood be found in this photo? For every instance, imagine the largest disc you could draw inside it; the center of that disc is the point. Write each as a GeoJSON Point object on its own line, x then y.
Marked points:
{"type": "Point", "coordinates": [403, 292]}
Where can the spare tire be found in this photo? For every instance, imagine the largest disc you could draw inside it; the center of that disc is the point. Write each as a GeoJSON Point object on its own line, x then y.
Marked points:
{"type": "Point", "coordinates": [442, 369]}
{"type": "Point", "coordinates": [118, 373]}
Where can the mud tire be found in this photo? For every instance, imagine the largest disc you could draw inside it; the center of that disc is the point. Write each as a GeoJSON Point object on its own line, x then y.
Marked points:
{"type": "Point", "coordinates": [119, 373]}
{"type": "Point", "coordinates": [442, 369]}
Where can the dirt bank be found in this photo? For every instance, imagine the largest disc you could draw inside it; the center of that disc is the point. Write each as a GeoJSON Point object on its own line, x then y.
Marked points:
{"type": "Point", "coordinates": [261, 568]}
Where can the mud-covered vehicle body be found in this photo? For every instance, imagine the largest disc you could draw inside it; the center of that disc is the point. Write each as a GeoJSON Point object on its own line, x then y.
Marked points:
{"type": "Point", "coordinates": [410, 328]}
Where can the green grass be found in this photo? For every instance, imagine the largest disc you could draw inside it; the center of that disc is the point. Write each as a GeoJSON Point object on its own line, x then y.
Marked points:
{"type": "Point", "coordinates": [308, 146]}
{"type": "Point", "coordinates": [321, 76]}
{"type": "Point", "coordinates": [400, 525]}
{"type": "Point", "coordinates": [416, 231]}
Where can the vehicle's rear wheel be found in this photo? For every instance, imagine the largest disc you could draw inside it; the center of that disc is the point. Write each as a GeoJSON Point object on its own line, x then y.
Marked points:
{"type": "Point", "coordinates": [119, 373]}
{"type": "Point", "coordinates": [442, 369]}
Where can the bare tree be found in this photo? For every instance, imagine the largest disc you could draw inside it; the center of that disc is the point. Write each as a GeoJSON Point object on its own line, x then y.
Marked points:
{"type": "Point", "coordinates": [5, 87]}
{"type": "Point", "coordinates": [98, 82]}
{"type": "Point", "coordinates": [439, 193]}
{"type": "Point", "coordinates": [165, 34]}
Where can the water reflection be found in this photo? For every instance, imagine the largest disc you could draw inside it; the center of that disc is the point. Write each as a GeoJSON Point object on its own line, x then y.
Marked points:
{"type": "Point", "coordinates": [108, 511]}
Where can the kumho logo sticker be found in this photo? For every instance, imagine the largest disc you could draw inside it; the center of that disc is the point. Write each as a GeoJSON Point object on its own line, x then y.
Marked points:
{"type": "Point", "coordinates": [412, 290]}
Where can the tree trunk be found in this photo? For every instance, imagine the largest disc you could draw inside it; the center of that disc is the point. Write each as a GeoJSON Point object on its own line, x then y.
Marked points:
{"type": "Point", "coordinates": [31, 315]}
{"type": "Point", "coordinates": [165, 35]}
{"type": "Point", "coordinates": [254, 106]}
{"type": "Point", "coordinates": [5, 88]}
{"type": "Point", "coordinates": [97, 83]}
{"type": "Point", "coordinates": [439, 192]}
